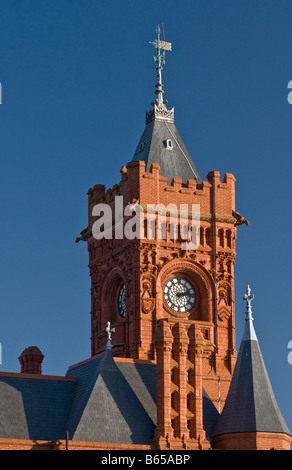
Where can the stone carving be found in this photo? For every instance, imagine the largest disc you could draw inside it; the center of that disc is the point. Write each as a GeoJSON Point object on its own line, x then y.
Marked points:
{"type": "Point", "coordinates": [148, 294]}
{"type": "Point", "coordinates": [160, 112]}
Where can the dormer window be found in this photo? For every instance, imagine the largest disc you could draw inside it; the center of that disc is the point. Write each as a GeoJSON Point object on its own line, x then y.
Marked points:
{"type": "Point", "coordinates": [141, 147]}
{"type": "Point", "coordinates": [168, 144]}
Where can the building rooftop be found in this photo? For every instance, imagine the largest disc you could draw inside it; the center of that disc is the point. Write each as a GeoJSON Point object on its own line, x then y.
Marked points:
{"type": "Point", "coordinates": [99, 400]}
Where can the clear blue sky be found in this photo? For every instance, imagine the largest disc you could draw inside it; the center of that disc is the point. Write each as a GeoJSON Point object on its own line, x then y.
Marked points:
{"type": "Point", "coordinates": [77, 78]}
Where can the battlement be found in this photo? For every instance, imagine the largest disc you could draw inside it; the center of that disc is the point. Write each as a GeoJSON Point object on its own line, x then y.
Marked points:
{"type": "Point", "coordinates": [136, 185]}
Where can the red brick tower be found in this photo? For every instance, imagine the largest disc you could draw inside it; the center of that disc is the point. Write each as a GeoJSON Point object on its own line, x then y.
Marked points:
{"type": "Point", "coordinates": [167, 304]}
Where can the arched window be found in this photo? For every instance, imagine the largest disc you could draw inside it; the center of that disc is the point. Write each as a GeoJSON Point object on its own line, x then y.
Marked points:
{"type": "Point", "coordinates": [202, 233]}
{"type": "Point", "coordinates": [228, 238]}
{"type": "Point", "coordinates": [168, 144]}
{"type": "Point", "coordinates": [221, 237]}
{"type": "Point", "coordinates": [172, 400]}
{"type": "Point", "coordinates": [208, 237]}
{"type": "Point", "coordinates": [188, 401]}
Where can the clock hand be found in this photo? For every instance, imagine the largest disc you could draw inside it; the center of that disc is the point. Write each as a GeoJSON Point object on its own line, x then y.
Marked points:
{"type": "Point", "coordinates": [182, 294]}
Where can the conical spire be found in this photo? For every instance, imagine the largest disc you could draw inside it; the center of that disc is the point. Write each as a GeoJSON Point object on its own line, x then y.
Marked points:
{"type": "Point", "coordinates": [250, 405]}
{"type": "Point", "coordinates": [161, 142]}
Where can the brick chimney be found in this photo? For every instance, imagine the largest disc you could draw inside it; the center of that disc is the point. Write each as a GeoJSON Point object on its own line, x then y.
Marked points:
{"type": "Point", "coordinates": [31, 360]}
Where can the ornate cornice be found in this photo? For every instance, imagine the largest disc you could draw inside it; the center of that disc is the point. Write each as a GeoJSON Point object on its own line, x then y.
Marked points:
{"type": "Point", "coordinates": [160, 113]}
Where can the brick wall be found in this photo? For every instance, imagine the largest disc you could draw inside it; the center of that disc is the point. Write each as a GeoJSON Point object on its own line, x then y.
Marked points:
{"type": "Point", "coordinates": [253, 441]}
{"type": "Point", "coordinates": [23, 444]}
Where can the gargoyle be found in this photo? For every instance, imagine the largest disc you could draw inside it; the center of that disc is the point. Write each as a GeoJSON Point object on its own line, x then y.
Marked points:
{"type": "Point", "coordinates": [239, 219]}
{"type": "Point", "coordinates": [85, 234]}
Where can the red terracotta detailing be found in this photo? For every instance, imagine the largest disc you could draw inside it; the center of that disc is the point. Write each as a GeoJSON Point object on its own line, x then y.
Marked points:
{"type": "Point", "coordinates": [253, 441]}
{"type": "Point", "coordinates": [31, 360]}
{"type": "Point", "coordinates": [145, 265]}
{"type": "Point", "coordinates": [180, 348]}
{"type": "Point", "coordinates": [26, 444]}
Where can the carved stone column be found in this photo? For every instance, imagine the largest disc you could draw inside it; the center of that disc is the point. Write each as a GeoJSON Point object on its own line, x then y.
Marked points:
{"type": "Point", "coordinates": [197, 345]}
{"type": "Point", "coordinates": [163, 341]}
{"type": "Point", "coordinates": [180, 351]}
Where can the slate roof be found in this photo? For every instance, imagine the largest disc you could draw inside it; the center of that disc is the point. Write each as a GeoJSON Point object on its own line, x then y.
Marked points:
{"type": "Point", "coordinates": [34, 408]}
{"type": "Point", "coordinates": [106, 407]}
{"type": "Point", "coordinates": [173, 163]}
{"type": "Point", "coordinates": [250, 405]}
{"type": "Point", "coordinates": [99, 400]}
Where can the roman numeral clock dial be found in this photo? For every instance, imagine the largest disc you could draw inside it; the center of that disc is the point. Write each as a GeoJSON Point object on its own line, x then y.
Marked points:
{"type": "Point", "coordinates": [179, 295]}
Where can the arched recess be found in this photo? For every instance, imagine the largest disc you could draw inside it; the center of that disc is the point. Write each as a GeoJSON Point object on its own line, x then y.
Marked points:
{"type": "Point", "coordinates": [202, 282]}
{"type": "Point", "coordinates": [110, 289]}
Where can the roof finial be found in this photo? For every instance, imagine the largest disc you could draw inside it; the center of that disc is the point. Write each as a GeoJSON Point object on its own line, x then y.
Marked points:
{"type": "Point", "coordinates": [248, 297]}
{"type": "Point", "coordinates": [160, 111]}
{"type": "Point", "coordinates": [109, 332]}
{"type": "Point", "coordinates": [160, 59]}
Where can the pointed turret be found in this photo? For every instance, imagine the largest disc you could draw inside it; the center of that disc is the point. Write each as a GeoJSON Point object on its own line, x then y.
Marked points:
{"type": "Point", "coordinates": [251, 418]}
{"type": "Point", "coordinates": [161, 142]}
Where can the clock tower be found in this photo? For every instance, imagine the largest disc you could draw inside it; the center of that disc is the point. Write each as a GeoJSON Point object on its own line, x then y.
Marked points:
{"type": "Point", "coordinates": [169, 302]}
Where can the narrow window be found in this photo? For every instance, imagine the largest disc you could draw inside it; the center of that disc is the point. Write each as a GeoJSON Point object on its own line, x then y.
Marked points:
{"type": "Point", "coordinates": [221, 237]}
{"type": "Point", "coordinates": [228, 238]}
{"type": "Point", "coordinates": [208, 237]}
{"type": "Point", "coordinates": [188, 402]}
{"type": "Point", "coordinates": [172, 400]}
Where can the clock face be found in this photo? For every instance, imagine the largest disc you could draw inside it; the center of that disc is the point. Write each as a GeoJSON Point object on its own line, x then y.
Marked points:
{"type": "Point", "coordinates": [179, 295]}
{"type": "Point", "coordinates": [122, 301]}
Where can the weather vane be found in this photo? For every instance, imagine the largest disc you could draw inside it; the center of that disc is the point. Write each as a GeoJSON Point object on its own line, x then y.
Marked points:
{"type": "Point", "coordinates": [160, 59]}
